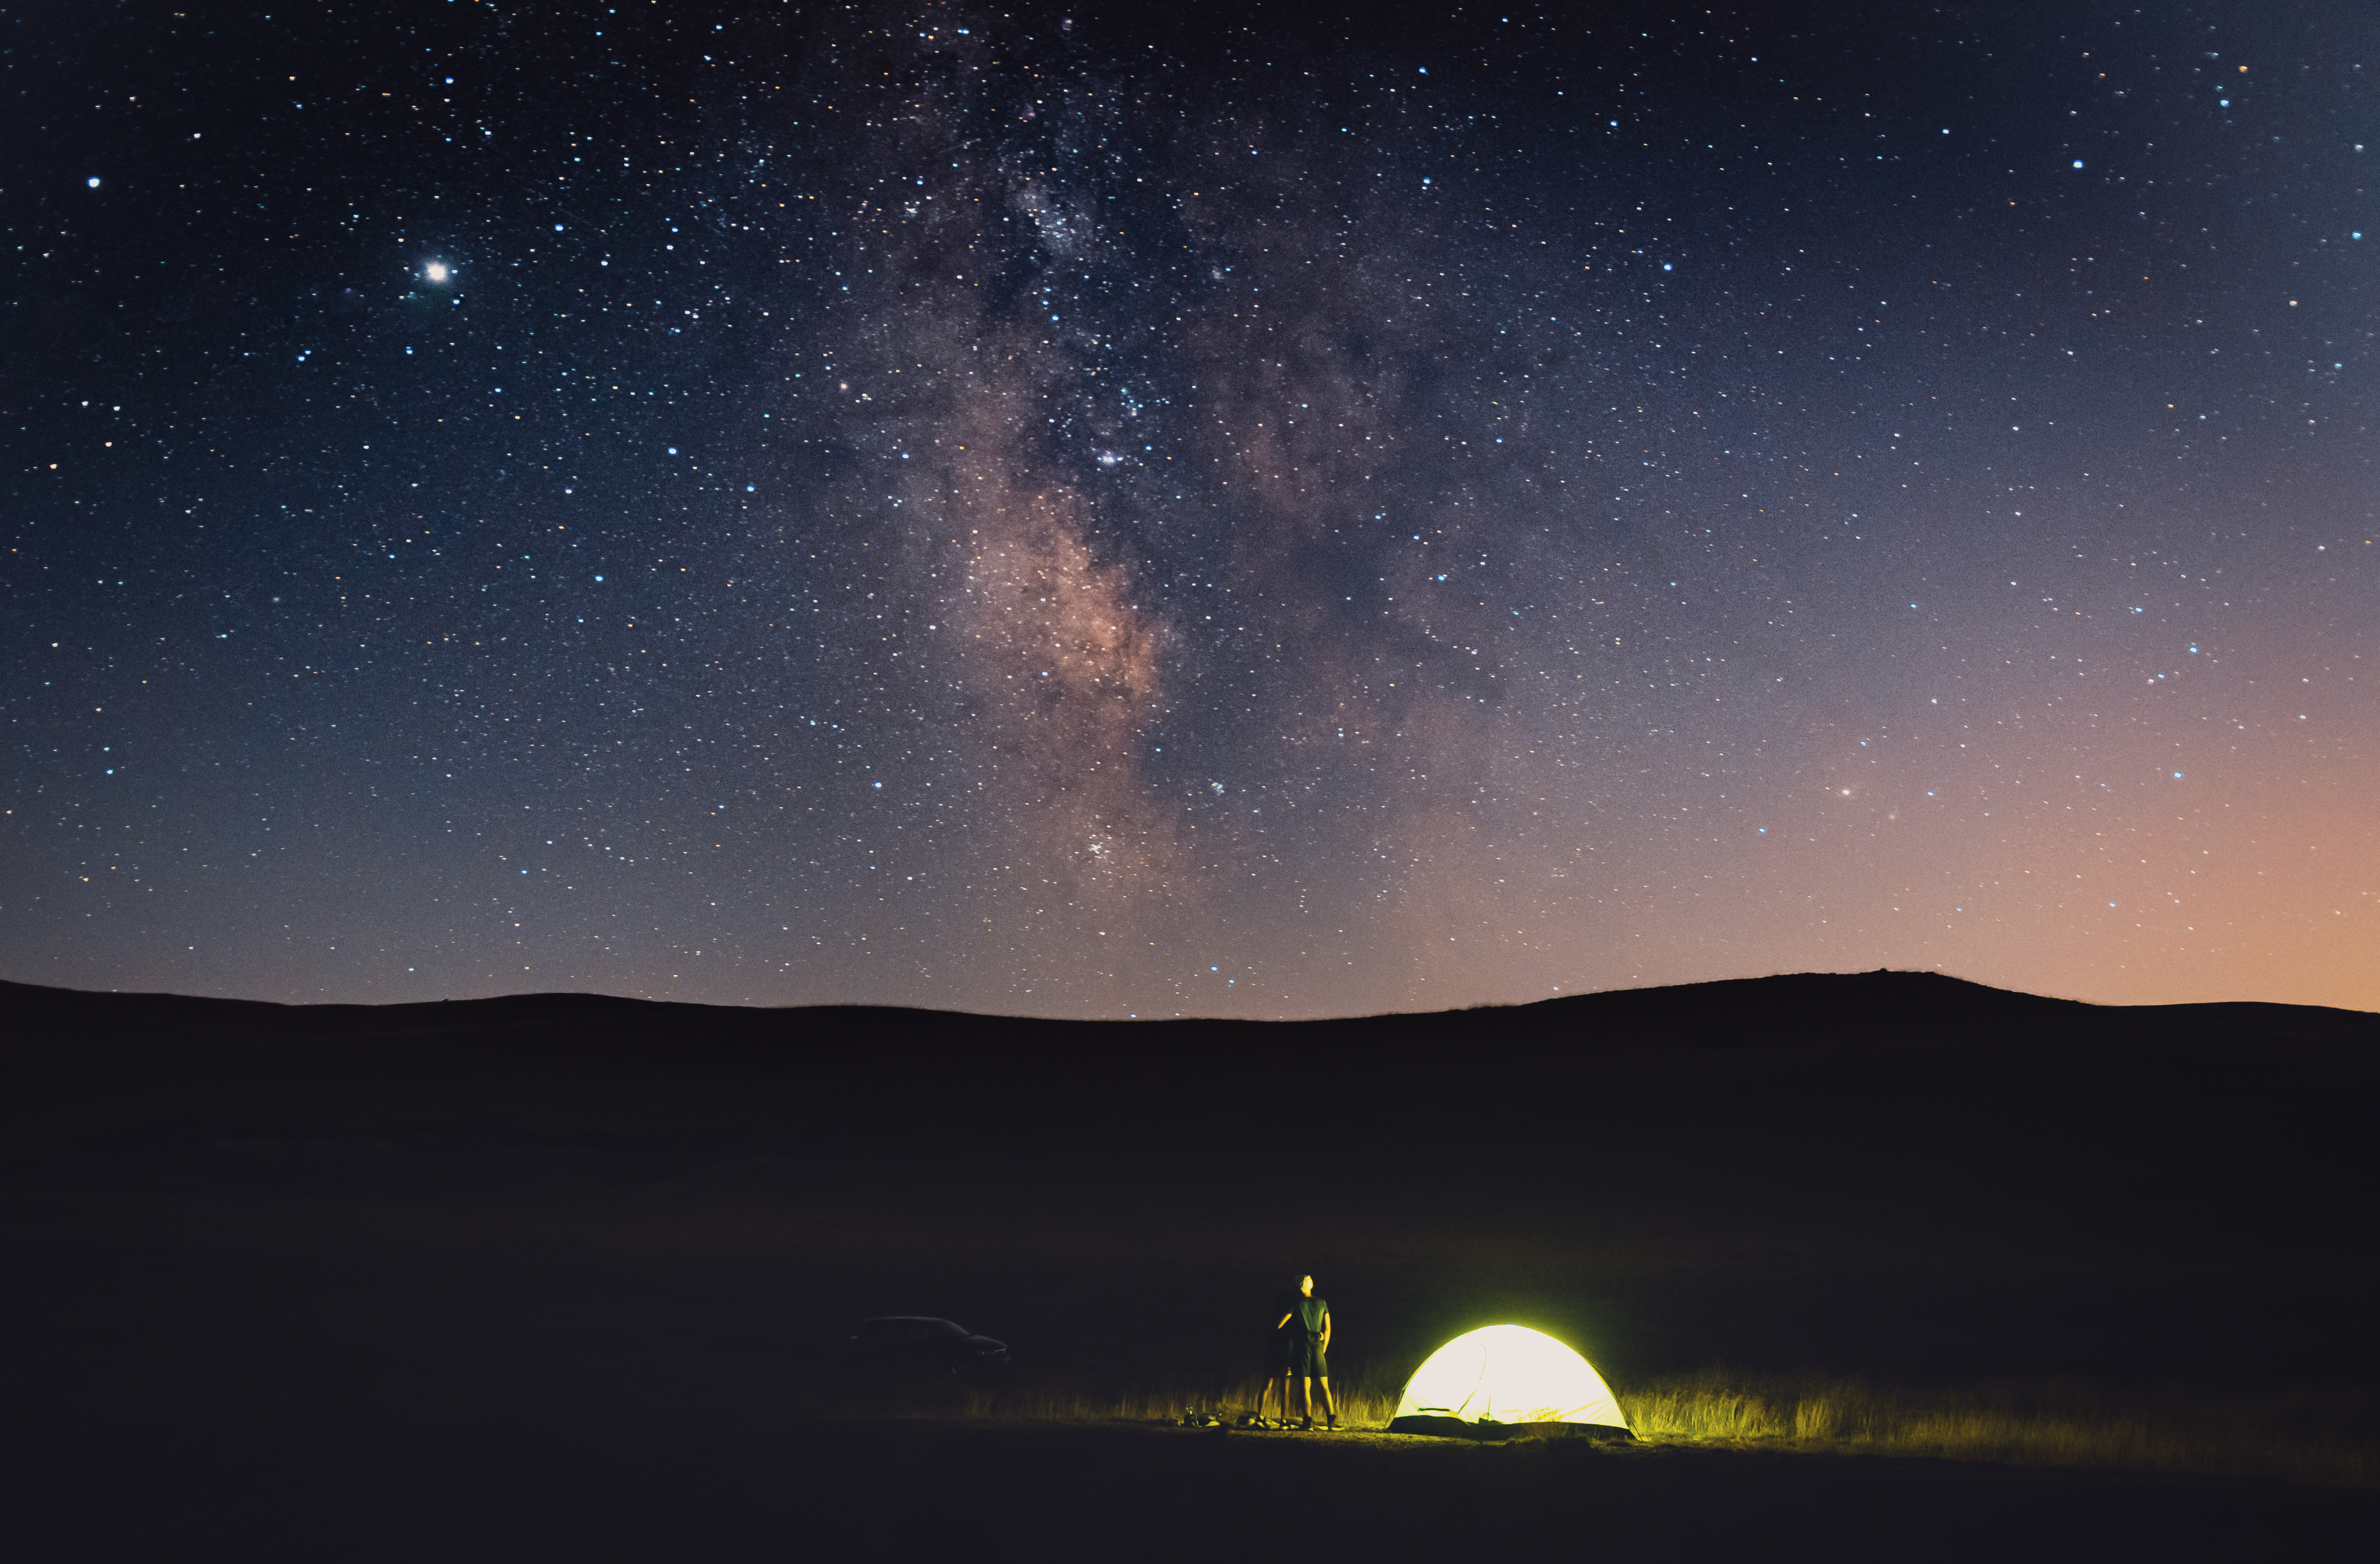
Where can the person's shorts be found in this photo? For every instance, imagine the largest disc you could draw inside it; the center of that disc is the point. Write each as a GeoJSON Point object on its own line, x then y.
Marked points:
{"type": "Point", "coordinates": [1305, 1359]}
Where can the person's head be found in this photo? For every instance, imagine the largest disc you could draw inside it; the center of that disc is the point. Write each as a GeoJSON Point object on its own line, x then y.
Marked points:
{"type": "Point", "coordinates": [1306, 1285]}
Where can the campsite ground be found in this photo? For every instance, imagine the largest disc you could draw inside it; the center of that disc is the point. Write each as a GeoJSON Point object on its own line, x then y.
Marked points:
{"type": "Point", "coordinates": [568, 1276]}
{"type": "Point", "coordinates": [637, 1482]}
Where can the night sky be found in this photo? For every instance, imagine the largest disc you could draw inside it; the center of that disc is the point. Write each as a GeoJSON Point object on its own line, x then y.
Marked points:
{"type": "Point", "coordinates": [1191, 509]}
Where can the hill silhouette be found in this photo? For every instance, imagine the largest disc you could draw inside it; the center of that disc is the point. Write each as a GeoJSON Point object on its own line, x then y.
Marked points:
{"type": "Point", "coordinates": [432, 1238]}
{"type": "Point", "coordinates": [1796, 1008]}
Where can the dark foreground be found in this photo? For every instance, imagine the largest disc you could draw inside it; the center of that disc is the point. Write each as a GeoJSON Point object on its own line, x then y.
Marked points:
{"type": "Point", "coordinates": [562, 1275]}
{"type": "Point", "coordinates": [622, 1482]}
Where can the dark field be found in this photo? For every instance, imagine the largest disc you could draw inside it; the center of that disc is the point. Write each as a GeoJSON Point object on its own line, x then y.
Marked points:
{"type": "Point", "coordinates": [562, 1275]}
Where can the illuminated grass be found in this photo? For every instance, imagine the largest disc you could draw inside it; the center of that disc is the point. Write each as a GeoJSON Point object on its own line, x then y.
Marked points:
{"type": "Point", "coordinates": [1361, 1405]}
{"type": "Point", "coordinates": [1059, 1399]}
{"type": "Point", "coordinates": [2324, 1436]}
{"type": "Point", "coordinates": [2319, 1434]}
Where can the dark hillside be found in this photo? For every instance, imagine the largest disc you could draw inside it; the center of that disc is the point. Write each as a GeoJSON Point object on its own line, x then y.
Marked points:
{"type": "Point", "coordinates": [505, 1212]}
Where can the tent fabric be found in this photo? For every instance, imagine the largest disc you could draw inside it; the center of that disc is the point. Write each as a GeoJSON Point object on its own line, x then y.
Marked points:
{"type": "Point", "coordinates": [1506, 1374]}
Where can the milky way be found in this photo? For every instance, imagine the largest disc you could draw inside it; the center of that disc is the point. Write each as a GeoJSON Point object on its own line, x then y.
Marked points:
{"type": "Point", "coordinates": [1210, 514]}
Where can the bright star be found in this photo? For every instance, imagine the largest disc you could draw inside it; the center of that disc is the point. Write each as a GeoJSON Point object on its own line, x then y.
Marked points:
{"type": "Point", "coordinates": [435, 271]}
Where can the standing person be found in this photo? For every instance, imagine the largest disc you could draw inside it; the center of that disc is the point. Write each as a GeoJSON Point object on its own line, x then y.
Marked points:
{"type": "Point", "coordinates": [1310, 1341]}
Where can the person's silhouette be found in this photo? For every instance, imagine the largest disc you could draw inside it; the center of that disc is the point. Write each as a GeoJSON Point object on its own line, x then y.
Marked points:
{"type": "Point", "coordinates": [1309, 1342]}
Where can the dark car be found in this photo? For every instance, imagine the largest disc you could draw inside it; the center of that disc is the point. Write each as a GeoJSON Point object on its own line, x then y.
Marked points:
{"type": "Point", "coordinates": [920, 1344]}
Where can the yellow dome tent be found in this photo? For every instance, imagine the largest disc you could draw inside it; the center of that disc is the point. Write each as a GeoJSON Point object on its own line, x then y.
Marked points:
{"type": "Point", "coordinates": [1503, 1375]}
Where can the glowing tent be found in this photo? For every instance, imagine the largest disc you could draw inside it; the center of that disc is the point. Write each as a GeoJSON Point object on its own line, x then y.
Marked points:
{"type": "Point", "coordinates": [1502, 1375]}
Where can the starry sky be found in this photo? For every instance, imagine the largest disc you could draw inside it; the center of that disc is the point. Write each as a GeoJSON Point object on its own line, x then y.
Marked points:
{"type": "Point", "coordinates": [1213, 510]}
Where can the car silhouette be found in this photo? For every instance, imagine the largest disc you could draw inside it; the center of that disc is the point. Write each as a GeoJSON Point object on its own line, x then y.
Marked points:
{"type": "Point", "coordinates": [921, 1344]}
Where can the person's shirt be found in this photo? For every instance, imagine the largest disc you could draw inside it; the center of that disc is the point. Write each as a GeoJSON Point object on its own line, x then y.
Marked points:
{"type": "Point", "coordinates": [1311, 1312]}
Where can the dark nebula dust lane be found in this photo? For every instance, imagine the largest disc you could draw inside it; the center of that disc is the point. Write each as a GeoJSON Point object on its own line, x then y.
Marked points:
{"type": "Point", "coordinates": [1212, 512]}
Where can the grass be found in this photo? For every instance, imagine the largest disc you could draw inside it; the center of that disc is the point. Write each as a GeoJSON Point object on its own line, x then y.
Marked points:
{"type": "Point", "coordinates": [1360, 1405]}
{"type": "Point", "coordinates": [2323, 1435]}
{"type": "Point", "coordinates": [1363, 1403]}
